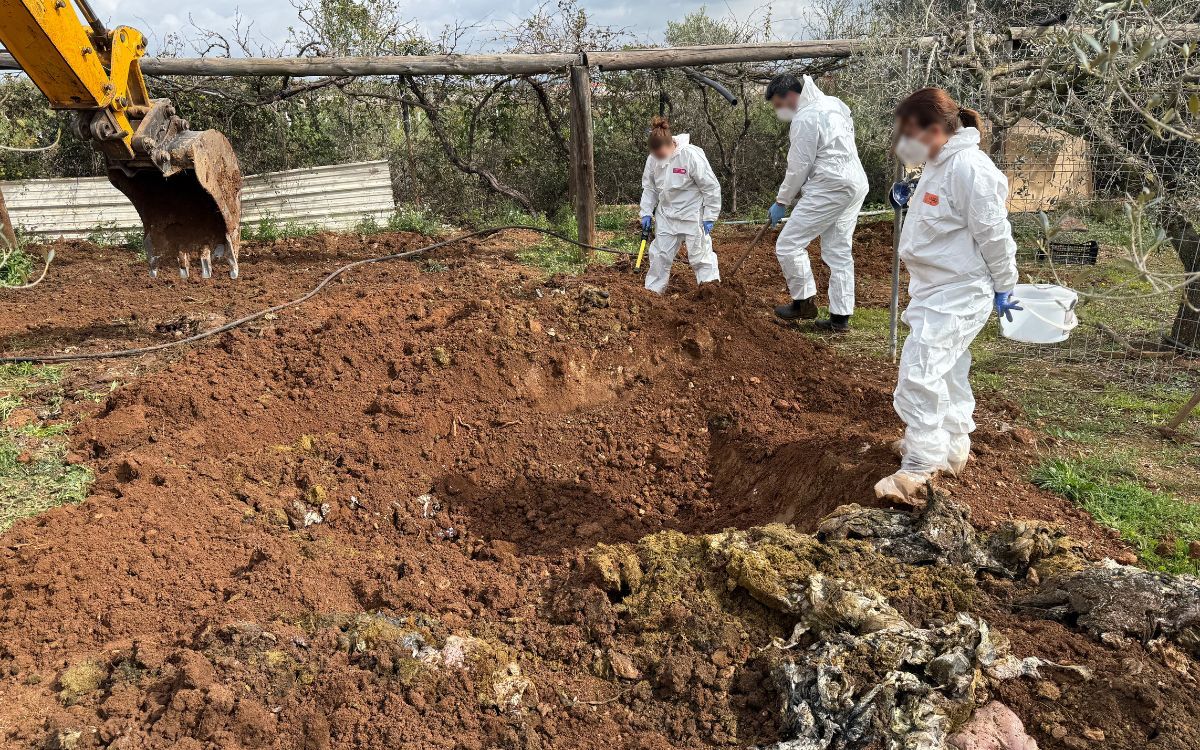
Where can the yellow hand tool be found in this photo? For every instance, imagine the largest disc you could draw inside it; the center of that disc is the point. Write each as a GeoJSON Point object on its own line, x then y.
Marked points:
{"type": "Point", "coordinates": [642, 248]}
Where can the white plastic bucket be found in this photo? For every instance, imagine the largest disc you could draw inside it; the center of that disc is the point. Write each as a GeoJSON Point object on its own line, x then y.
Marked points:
{"type": "Point", "coordinates": [1048, 316]}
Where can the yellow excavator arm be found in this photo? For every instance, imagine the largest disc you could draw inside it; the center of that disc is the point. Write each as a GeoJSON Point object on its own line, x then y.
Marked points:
{"type": "Point", "coordinates": [185, 184]}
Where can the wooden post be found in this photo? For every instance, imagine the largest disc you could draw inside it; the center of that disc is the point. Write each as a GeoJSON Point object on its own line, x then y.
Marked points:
{"type": "Point", "coordinates": [8, 235]}
{"type": "Point", "coordinates": [583, 163]}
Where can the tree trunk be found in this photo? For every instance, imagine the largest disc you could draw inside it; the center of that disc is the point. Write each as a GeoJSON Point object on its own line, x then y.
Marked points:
{"type": "Point", "coordinates": [1185, 330]}
{"type": "Point", "coordinates": [414, 193]}
{"type": "Point", "coordinates": [733, 190]}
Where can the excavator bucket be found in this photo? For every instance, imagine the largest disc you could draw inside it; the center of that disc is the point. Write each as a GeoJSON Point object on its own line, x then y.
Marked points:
{"type": "Point", "coordinates": [188, 200]}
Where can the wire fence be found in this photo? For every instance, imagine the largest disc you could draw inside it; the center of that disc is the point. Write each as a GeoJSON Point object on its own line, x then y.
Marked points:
{"type": "Point", "coordinates": [1076, 227]}
{"type": "Point", "coordinates": [1102, 201]}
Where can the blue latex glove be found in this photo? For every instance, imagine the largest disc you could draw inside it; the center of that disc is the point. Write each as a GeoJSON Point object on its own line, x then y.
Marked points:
{"type": "Point", "coordinates": [776, 213]}
{"type": "Point", "coordinates": [708, 225]}
{"type": "Point", "coordinates": [901, 192]}
{"type": "Point", "coordinates": [1005, 304]}
{"type": "Point", "coordinates": [645, 223]}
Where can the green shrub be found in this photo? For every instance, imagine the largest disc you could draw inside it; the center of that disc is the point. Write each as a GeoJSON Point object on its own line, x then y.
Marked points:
{"type": "Point", "coordinates": [108, 234]}
{"type": "Point", "coordinates": [15, 266]}
{"type": "Point", "coordinates": [408, 218]}
{"type": "Point", "coordinates": [507, 216]}
{"type": "Point", "coordinates": [368, 225]}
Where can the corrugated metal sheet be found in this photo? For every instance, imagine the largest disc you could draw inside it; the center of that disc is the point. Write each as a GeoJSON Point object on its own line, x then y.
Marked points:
{"type": "Point", "coordinates": [334, 197]}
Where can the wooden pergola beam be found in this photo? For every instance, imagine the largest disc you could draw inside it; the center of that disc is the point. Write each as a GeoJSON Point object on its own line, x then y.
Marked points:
{"type": "Point", "coordinates": [530, 64]}
{"type": "Point", "coordinates": [502, 64]}
{"type": "Point", "coordinates": [392, 65]}
{"type": "Point", "coordinates": [677, 57]}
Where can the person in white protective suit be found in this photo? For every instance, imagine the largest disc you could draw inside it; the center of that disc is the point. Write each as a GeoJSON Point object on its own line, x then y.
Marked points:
{"type": "Point", "coordinates": [681, 193]}
{"type": "Point", "coordinates": [961, 258]}
{"type": "Point", "coordinates": [824, 172]}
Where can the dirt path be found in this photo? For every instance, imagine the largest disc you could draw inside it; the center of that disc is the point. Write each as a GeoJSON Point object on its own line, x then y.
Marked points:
{"type": "Point", "coordinates": [442, 446]}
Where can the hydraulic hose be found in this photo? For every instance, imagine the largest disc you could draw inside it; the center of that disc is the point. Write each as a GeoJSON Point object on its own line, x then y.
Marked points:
{"type": "Point", "coordinates": [51, 358]}
{"type": "Point", "coordinates": [93, 20]}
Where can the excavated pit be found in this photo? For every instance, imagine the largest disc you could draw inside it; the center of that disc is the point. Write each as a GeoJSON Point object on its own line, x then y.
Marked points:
{"type": "Point", "coordinates": [795, 483]}
{"type": "Point", "coordinates": [367, 522]}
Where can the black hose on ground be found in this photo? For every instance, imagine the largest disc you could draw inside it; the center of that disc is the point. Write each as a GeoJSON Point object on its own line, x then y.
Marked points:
{"type": "Point", "coordinates": [49, 358]}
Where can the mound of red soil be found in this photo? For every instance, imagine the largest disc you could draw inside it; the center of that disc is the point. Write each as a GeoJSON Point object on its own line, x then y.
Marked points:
{"type": "Point", "coordinates": [435, 448]}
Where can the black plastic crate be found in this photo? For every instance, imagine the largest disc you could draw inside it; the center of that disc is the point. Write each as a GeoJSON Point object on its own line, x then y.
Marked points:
{"type": "Point", "coordinates": [1071, 253]}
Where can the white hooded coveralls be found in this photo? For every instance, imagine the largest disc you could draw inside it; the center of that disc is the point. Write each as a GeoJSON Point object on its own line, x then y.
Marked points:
{"type": "Point", "coordinates": [958, 248]}
{"type": "Point", "coordinates": [823, 163]}
{"type": "Point", "coordinates": [681, 192]}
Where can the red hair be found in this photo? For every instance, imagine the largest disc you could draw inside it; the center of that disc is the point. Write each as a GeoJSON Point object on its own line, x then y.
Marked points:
{"type": "Point", "coordinates": [930, 106]}
{"type": "Point", "coordinates": [660, 133]}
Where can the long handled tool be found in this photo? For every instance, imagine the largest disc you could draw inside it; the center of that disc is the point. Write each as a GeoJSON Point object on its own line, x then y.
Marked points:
{"type": "Point", "coordinates": [753, 243]}
{"type": "Point", "coordinates": [642, 248]}
{"type": "Point", "coordinates": [1169, 429]}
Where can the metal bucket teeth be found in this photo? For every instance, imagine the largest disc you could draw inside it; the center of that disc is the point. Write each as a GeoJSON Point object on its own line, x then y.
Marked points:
{"type": "Point", "coordinates": [189, 202]}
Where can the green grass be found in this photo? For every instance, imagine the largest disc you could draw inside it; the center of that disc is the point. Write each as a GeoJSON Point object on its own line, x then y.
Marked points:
{"type": "Point", "coordinates": [406, 218]}
{"type": "Point", "coordinates": [553, 255]}
{"type": "Point", "coordinates": [269, 229]}
{"type": "Point", "coordinates": [616, 218]}
{"type": "Point", "coordinates": [874, 208]}
{"type": "Point", "coordinates": [869, 330]}
{"type": "Point", "coordinates": [34, 475]}
{"type": "Point", "coordinates": [1099, 405]}
{"type": "Point", "coordinates": [504, 216]}
{"type": "Point", "coordinates": [368, 225]}
{"type": "Point", "coordinates": [1144, 517]}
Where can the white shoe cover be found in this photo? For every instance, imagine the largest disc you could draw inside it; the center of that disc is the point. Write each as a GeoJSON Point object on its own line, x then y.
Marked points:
{"type": "Point", "coordinates": [902, 487]}
{"type": "Point", "coordinates": [960, 451]}
{"type": "Point", "coordinates": [955, 462]}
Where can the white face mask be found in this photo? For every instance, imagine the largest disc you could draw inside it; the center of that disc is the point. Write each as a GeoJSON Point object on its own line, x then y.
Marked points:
{"type": "Point", "coordinates": [911, 151]}
{"type": "Point", "coordinates": [785, 113]}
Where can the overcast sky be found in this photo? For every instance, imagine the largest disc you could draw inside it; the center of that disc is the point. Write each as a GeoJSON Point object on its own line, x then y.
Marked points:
{"type": "Point", "coordinates": [647, 20]}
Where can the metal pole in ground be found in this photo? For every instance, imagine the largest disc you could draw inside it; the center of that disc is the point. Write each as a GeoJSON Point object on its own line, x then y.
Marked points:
{"type": "Point", "coordinates": [897, 223]}
{"type": "Point", "coordinates": [894, 307]}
